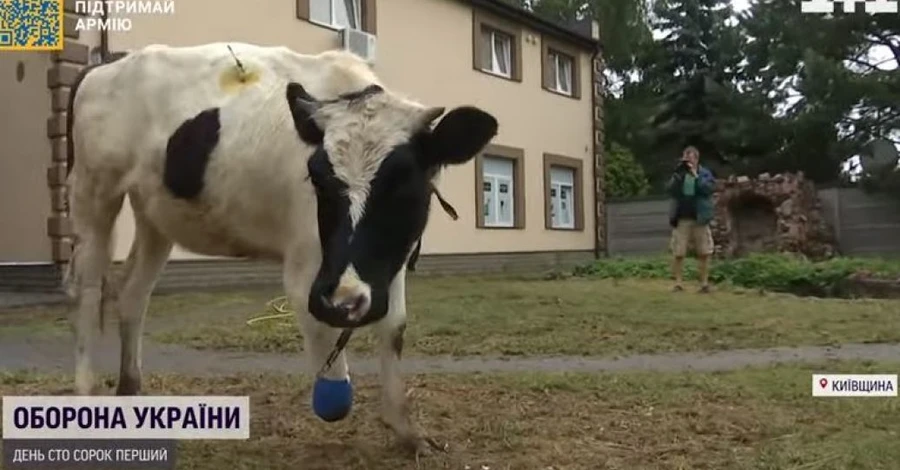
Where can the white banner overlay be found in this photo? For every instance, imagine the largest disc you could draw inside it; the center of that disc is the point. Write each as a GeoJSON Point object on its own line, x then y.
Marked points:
{"type": "Point", "coordinates": [849, 6]}
{"type": "Point", "coordinates": [134, 417]}
{"type": "Point", "coordinates": [854, 385]}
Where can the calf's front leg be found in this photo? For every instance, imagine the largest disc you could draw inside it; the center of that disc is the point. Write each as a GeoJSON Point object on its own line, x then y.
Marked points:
{"type": "Point", "coordinates": [395, 404]}
{"type": "Point", "coordinates": [332, 394]}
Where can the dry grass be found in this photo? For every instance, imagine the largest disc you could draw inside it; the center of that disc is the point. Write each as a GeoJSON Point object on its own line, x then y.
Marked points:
{"type": "Point", "coordinates": [477, 315]}
{"type": "Point", "coordinates": [750, 419]}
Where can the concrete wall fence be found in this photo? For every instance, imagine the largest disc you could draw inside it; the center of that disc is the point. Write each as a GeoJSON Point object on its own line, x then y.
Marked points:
{"type": "Point", "coordinates": [864, 224]}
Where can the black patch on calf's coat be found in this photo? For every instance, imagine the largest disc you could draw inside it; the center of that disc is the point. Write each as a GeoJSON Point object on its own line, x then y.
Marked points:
{"type": "Point", "coordinates": [414, 257]}
{"type": "Point", "coordinates": [333, 215]}
{"type": "Point", "coordinates": [188, 151]}
{"type": "Point", "coordinates": [306, 128]}
{"type": "Point", "coordinates": [459, 135]}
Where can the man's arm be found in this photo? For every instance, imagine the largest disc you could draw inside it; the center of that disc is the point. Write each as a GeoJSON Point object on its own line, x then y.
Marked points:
{"type": "Point", "coordinates": [705, 182]}
{"type": "Point", "coordinates": [673, 186]}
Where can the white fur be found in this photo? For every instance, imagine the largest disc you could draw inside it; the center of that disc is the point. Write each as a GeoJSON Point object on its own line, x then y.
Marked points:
{"type": "Point", "coordinates": [256, 200]}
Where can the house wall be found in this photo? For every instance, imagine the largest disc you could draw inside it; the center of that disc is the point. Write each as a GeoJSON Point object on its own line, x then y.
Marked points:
{"type": "Point", "coordinates": [24, 156]}
{"type": "Point", "coordinates": [424, 50]}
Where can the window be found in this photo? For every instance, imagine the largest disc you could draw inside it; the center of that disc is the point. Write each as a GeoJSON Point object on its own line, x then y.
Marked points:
{"type": "Point", "coordinates": [497, 48]}
{"type": "Point", "coordinates": [561, 69]}
{"type": "Point", "coordinates": [564, 197]}
{"type": "Point", "coordinates": [339, 14]}
{"type": "Point", "coordinates": [499, 190]}
{"type": "Point", "coordinates": [497, 52]}
{"type": "Point", "coordinates": [560, 72]}
{"type": "Point", "coordinates": [497, 184]}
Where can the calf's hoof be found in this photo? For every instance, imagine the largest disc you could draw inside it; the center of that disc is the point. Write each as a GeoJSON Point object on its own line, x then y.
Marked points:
{"type": "Point", "coordinates": [332, 399]}
{"type": "Point", "coordinates": [424, 445]}
{"type": "Point", "coordinates": [128, 386]}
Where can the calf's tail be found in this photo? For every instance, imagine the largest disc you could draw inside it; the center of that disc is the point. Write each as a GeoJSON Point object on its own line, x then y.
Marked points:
{"type": "Point", "coordinates": [70, 108]}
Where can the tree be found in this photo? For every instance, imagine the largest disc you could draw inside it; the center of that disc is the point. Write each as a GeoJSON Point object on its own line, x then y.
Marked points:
{"type": "Point", "coordinates": [624, 175]}
{"type": "Point", "coordinates": [820, 71]}
{"type": "Point", "coordinates": [691, 71]}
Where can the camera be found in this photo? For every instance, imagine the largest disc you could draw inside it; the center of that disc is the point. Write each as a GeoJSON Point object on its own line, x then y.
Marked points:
{"type": "Point", "coordinates": [682, 167]}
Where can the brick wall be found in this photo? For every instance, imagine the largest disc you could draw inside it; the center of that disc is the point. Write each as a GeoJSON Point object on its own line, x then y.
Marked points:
{"type": "Point", "coordinates": [598, 93]}
{"type": "Point", "coordinates": [65, 67]}
{"type": "Point", "coordinates": [208, 274]}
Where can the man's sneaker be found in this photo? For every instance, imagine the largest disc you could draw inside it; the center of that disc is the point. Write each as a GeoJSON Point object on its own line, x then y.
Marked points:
{"type": "Point", "coordinates": [704, 289]}
{"type": "Point", "coordinates": [677, 288]}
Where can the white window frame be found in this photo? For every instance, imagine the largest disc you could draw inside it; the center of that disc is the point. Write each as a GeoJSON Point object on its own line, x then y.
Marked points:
{"type": "Point", "coordinates": [333, 6]}
{"type": "Point", "coordinates": [560, 85]}
{"type": "Point", "coordinates": [496, 179]}
{"type": "Point", "coordinates": [492, 37]}
{"type": "Point", "coordinates": [556, 188]}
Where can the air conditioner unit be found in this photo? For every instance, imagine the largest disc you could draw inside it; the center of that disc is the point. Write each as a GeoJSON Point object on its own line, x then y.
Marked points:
{"type": "Point", "coordinates": [360, 43]}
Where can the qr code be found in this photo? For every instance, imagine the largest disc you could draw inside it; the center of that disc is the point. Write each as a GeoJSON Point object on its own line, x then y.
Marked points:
{"type": "Point", "coordinates": [849, 6]}
{"type": "Point", "coordinates": [31, 25]}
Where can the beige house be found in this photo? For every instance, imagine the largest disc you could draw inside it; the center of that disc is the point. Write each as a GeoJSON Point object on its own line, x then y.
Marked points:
{"type": "Point", "coordinates": [533, 198]}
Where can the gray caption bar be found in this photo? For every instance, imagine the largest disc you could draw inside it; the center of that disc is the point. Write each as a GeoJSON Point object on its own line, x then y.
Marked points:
{"type": "Point", "coordinates": [88, 454]}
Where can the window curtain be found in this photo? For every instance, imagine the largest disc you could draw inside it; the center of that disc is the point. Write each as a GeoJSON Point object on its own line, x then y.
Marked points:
{"type": "Point", "coordinates": [348, 12]}
{"type": "Point", "coordinates": [565, 74]}
{"type": "Point", "coordinates": [502, 53]}
{"type": "Point", "coordinates": [352, 10]}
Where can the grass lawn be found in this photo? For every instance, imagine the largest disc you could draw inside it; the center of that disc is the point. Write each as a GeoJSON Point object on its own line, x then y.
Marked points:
{"type": "Point", "coordinates": [742, 420]}
{"type": "Point", "coordinates": [494, 315]}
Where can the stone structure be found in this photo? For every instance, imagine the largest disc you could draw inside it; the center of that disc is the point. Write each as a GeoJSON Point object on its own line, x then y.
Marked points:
{"type": "Point", "coordinates": [599, 92]}
{"type": "Point", "coordinates": [780, 213]}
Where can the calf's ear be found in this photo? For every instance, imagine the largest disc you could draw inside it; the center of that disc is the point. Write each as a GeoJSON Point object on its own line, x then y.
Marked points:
{"type": "Point", "coordinates": [460, 135]}
{"type": "Point", "coordinates": [303, 107]}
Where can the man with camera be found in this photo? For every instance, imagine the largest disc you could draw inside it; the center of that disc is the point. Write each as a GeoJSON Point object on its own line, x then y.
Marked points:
{"type": "Point", "coordinates": [691, 187]}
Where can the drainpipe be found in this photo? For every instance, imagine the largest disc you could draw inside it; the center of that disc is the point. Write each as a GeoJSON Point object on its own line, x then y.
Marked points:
{"type": "Point", "coordinates": [104, 37]}
{"type": "Point", "coordinates": [594, 154]}
{"type": "Point", "coordinates": [598, 192]}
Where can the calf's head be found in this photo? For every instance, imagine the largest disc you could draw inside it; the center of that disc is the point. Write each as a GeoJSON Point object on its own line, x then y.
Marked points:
{"type": "Point", "coordinates": [372, 169]}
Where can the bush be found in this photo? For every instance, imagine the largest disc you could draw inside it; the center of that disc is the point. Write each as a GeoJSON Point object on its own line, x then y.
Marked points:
{"type": "Point", "coordinates": [624, 175]}
{"type": "Point", "coordinates": [774, 272]}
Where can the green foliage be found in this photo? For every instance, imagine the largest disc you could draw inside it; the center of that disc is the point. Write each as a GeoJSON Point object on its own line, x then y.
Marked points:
{"type": "Point", "coordinates": [774, 272]}
{"type": "Point", "coordinates": [842, 97]}
{"type": "Point", "coordinates": [699, 59]}
{"type": "Point", "coordinates": [776, 91]}
{"type": "Point", "coordinates": [624, 175]}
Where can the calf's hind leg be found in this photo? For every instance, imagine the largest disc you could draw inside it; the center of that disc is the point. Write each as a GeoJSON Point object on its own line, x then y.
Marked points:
{"type": "Point", "coordinates": [95, 207]}
{"type": "Point", "coordinates": [149, 253]}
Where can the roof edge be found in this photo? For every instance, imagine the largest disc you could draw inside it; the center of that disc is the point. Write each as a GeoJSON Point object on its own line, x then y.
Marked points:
{"type": "Point", "coordinates": [527, 18]}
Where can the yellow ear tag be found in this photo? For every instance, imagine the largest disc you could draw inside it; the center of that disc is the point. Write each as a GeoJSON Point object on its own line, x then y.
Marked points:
{"type": "Point", "coordinates": [234, 78]}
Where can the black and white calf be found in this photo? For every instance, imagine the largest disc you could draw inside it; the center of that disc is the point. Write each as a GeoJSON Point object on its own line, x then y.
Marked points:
{"type": "Point", "coordinates": [260, 152]}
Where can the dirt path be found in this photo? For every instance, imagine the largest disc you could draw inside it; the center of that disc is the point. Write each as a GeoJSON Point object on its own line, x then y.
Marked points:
{"type": "Point", "coordinates": [55, 354]}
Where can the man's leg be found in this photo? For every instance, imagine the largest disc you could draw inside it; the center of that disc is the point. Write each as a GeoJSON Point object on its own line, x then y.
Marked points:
{"type": "Point", "coordinates": [705, 248]}
{"type": "Point", "coordinates": [679, 248]}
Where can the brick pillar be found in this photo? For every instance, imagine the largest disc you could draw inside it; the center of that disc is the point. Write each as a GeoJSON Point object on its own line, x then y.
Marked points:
{"type": "Point", "coordinates": [598, 88]}
{"type": "Point", "coordinates": [65, 65]}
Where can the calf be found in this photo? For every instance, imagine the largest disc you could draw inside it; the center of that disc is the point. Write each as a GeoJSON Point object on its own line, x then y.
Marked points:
{"type": "Point", "coordinates": [258, 152]}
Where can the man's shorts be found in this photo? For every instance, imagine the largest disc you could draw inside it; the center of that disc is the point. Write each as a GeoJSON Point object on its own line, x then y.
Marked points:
{"type": "Point", "coordinates": [688, 231]}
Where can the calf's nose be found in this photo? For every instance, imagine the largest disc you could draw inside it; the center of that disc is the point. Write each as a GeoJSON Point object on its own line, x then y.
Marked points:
{"type": "Point", "coordinates": [354, 304]}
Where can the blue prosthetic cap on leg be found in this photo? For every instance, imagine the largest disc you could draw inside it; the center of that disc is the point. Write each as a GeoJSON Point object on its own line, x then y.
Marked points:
{"type": "Point", "coordinates": [332, 399]}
